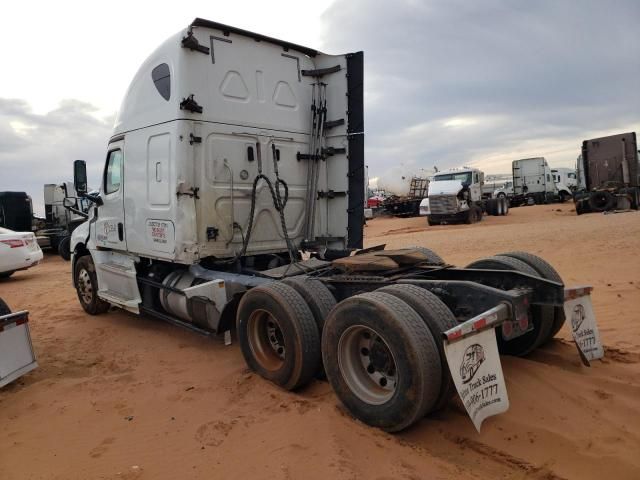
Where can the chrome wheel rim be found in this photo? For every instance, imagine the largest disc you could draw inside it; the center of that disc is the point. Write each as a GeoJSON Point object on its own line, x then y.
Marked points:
{"type": "Point", "coordinates": [367, 365]}
{"type": "Point", "coordinates": [85, 287]}
{"type": "Point", "coordinates": [266, 340]}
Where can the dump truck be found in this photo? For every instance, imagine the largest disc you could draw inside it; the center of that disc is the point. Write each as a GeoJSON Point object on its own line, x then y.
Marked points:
{"type": "Point", "coordinates": [232, 203]}
{"type": "Point", "coordinates": [609, 171]}
{"type": "Point", "coordinates": [456, 195]}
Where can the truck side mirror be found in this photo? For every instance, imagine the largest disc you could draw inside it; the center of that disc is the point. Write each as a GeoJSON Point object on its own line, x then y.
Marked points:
{"type": "Point", "coordinates": [80, 176]}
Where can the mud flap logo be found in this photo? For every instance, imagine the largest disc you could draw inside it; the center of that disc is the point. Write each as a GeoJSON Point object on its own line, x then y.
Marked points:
{"type": "Point", "coordinates": [471, 361]}
{"type": "Point", "coordinates": [577, 317]}
{"type": "Point", "coordinates": [479, 379]}
{"type": "Point", "coordinates": [583, 327]}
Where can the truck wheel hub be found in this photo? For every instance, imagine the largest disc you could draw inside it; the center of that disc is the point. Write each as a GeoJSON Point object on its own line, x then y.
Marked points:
{"type": "Point", "coordinates": [84, 286]}
{"type": "Point", "coordinates": [367, 365]}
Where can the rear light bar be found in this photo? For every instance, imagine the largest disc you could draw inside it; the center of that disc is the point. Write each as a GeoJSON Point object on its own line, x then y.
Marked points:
{"type": "Point", "coordinates": [14, 243]}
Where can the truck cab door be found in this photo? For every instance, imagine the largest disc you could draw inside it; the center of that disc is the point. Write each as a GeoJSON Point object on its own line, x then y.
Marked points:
{"type": "Point", "coordinates": [476, 187]}
{"type": "Point", "coordinates": [108, 228]}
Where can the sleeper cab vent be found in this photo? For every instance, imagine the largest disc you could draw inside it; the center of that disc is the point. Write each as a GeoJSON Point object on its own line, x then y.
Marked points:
{"type": "Point", "coordinates": [161, 77]}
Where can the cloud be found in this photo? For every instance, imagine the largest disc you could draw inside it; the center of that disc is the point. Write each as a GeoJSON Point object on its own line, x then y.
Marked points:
{"type": "Point", "coordinates": [457, 82]}
{"type": "Point", "coordinates": [37, 149]}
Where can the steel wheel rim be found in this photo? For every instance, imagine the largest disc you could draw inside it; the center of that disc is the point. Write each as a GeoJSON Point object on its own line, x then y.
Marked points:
{"type": "Point", "coordinates": [367, 365]}
{"type": "Point", "coordinates": [266, 340]}
{"type": "Point", "coordinates": [85, 287]}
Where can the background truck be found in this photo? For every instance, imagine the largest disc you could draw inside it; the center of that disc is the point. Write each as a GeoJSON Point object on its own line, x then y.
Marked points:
{"type": "Point", "coordinates": [565, 176]}
{"type": "Point", "coordinates": [609, 170]}
{"type": "Point", "coordinates": [456, 195]}
{"type": "Point", "coordinates": [495, 184]}
{"type": "Point", "coordinates": [64, 211]}
{"type": "Point", "coordinates": [408, 205]}
{"type": "Point", "coordinates": [16, 211]}
{"type": "Point", "coordinates": [232, 199]}
{"type": "Point", "coordinates": [533, 183]}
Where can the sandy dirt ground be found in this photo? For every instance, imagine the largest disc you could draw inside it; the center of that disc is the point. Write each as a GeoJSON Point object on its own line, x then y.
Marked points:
{"type": "Point", "coordinates": [122, 397]}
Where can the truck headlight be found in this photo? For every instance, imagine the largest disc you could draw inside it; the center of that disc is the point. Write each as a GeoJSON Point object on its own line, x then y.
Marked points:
{"type": "Point", "coordinates": [424, 207]}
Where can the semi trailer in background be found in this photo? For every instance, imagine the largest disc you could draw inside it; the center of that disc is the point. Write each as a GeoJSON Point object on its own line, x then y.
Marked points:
{"type": "Point", "coordinates": [609, 173]}
{"type": "Point", "coordinates": [232, 199]}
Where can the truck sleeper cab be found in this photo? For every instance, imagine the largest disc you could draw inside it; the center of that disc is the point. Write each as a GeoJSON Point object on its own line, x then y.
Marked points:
{"type": "Point", "coordinates": [235, 153]}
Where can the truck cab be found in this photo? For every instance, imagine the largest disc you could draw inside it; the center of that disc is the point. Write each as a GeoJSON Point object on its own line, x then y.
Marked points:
{"type": "Point", "coordinates": [454, 195]}
{"type": "Point", "coordinates": [533, 181]}
{"type": "Point", "coordinates": [232, 150]}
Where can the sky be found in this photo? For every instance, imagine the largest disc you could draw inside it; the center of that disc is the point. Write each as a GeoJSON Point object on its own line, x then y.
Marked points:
{"type": "Point", "coordinates": [447, 83]}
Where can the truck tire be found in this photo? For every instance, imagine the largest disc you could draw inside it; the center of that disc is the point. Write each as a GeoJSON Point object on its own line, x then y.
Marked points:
{"type": "Point", "coordinates": [4, 308]}
{"type": "Point", "coordinates": [565, 196]}
{"type": "Point", "coordinates": [432, 257]}
{"type": "Point", "coordinates": [546, 271]}
{"type": "Point", "coordinates": [474, 215]}
{"type": "Point", "coordinates": [86, 283]}
{"type": "Point", "coordinates": [438, 318]}
{"type": "Point", "coordinates": [7, 274]}
{"type": "Point", "coordinates": [542, 321]}
{"type": "Point", "coordinates": [601, 201]}
{"type": "Point", "coordinates": [320, 300]}
{"type": "Point", "coordinates": [502, 263]}
{"type": "Point", "coordinates": [381, 360]}
{"type": "Point", "coordinates": [505, 206]}
{"type": "Point", "coordinates": [278, 335]}
{"type": "Point", "coordinates": [492, 206]}
{"type": "Point", "coordinates": [431, 222]}
{"type": "Point", "coordinates": [64, 248]}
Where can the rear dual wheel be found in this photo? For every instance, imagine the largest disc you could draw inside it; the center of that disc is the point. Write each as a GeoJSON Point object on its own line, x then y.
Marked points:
{"type": "Point", "coordinates": [497, 206]}
{"type": "Point", "coordinates": [278, 335]}
{"type": "Point", "coordinates": [546, 271]}
{"type": "Point", "coordinates": [438, 319]}
{"type": "Point", "coordinates": [319, 299]}
{"type": "Point", "coordinates": [547, 320]}
{"type": "Point", "coordinates": [382, 360]}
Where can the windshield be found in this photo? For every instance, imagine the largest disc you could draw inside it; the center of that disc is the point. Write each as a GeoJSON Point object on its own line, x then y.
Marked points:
{"type": "Point", "coordinates": [462, 177]}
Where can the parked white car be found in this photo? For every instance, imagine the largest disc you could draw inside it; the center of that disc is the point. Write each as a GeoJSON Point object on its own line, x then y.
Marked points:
{"type": "Point", "coordinates": [18, 251]}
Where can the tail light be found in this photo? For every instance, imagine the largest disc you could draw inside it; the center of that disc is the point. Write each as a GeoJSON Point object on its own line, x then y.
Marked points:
{"type": "Point", "coordinates": [15, 243]}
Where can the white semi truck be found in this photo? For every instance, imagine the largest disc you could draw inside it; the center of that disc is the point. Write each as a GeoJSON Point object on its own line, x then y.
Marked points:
{"type": "Point", "coordinates": [565, 176]}
{"type": "Point", "coordinates": [455, 195]}
{"type": "Point", "coordinates": [233, 153]}
{"type": "Point", "coordinates": [533, 182]}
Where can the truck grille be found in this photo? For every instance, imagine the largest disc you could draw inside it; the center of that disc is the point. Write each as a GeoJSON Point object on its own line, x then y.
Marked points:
{"type": "Point", "coordinates": [443, 204]}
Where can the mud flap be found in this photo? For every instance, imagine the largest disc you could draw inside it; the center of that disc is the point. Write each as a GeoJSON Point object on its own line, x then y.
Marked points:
{"type": "Point", "coordinates": [472, 354]}
{"type": "Point", "coordinates": [579, 311]}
